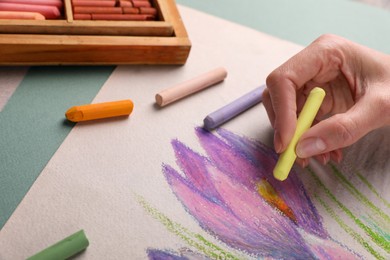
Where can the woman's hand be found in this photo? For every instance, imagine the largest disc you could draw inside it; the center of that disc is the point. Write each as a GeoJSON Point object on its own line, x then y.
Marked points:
{"type": "Point", "coordinates": [357, 84]}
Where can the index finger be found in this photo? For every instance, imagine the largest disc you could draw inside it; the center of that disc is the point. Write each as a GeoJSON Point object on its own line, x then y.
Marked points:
{"type": "Point", "coordinates": [317, 63]}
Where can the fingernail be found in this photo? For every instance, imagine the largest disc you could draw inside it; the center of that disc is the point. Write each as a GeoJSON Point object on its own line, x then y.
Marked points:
{"type": "Point", "coordinates": [305, 163]}
{"type": "Point", "coordinates": [339, 157]}
{"type": "Point", "coordinates": [302, 162]}
{"type": "Point", "coordinates": [325, 158]}
{"type": "Point", "coordinates": [277, 142]}
{"type": "Point", "coordinates": [336, 156]}
{"type": "Point", "coordinates": [310, 147]}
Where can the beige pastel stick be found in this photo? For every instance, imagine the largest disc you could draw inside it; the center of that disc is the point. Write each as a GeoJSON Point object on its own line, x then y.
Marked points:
{"type": "Point", "coordinates": [191, 86]}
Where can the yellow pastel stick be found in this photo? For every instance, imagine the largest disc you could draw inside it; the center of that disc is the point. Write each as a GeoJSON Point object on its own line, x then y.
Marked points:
{"type": "Point", "coordinates": [99, 110]}
{"type": "Point", "coordinates": [305, 120]}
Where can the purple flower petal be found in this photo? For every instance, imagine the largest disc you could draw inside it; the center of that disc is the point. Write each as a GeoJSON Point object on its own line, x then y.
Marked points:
{"type": "Point", "coordinates": [212, 217]}
{"type": "Point", "coordinates": [155, 254]}
{"type": "Point", "coordinates": [263, 159]}
{"type": "Point", "coordinates": [233, 195]}
{"type": "Point", "coordinates": [252, 210]}
{"type": "Point", "coordinates": [243, 221]}
{"type": "Point", "coordinates": [227, 159]}
{"type": "Point", "coordinates": [193, 166]}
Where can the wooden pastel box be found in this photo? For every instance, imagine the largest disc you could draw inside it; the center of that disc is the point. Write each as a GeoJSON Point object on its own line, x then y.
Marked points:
{"type": "Point", "coordinates": [84, 42]}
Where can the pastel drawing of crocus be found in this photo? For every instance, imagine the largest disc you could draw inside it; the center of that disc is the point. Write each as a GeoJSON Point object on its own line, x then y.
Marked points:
{"type": "Point", "coordinates": [233, 196]}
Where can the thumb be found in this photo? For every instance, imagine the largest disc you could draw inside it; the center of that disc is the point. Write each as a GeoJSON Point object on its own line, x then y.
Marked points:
{"type": "Point", "coordinates": [338, 131]}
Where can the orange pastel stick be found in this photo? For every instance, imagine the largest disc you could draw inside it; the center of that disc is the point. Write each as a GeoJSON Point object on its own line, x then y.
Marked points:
{"type": "Point", "coordinates": [93, 3]}
{"type": "Point", "coordinates": [20, 15]}
{"type": "Point", "coordinates": [97, 10]}
{"type": "Point", "coordinates": [122, 17]}
{"type": "Point", "coordinates": [49, 12]}
{"type": "Point", "coordinates": [100, 110]}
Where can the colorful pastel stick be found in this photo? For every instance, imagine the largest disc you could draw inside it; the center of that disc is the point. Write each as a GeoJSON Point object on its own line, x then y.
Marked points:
{"type": "Point", "coordinates": [93, 3]}
{"type": "Point", "coordinates": [50, 12]}
{"type": "Point", "coordinates": [14, 15]}
{"type": "Point", "coordinates": [130, 10]}
{"type": "Point", "coordinates": [125, 3]}
{"type": "Point", "coordinates": [97, 10]}
{"type": "Point", "coordinates": [57, 3]}
{"type": "Point", "coordinates": [100, 110]}
{"type": "Point", "coordinates": [122, 17]}
{"type": "Point", "coordinates": [305, 120]}
{"type": "Point", "coordinates": [64, 249]}
{"type": "Point", "coordinates": [189, 87]}
{"type": "Point", "coordinates": [234, 108]}
{"type": "Point", "coordinates": [82, 16]}
{"type": "Point", "coordinates": [148, 10]}
{"type": "Point", "coordinates": [139, 3]}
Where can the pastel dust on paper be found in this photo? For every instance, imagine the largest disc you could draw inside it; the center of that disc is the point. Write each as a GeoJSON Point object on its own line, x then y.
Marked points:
{"type": "Point", "coordinates": [233, 196]}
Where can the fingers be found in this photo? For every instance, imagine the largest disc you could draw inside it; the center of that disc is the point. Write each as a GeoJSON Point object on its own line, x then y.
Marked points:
{"type": "Point", "coordinates": [336, 156]}
{"type": "Point", "coordinates": [285, 123]}
{"type": "Point", "coordinates": [283, 109]}
{"type": "Point", "coordinates": [356, 80]}
{"type": "Point", "coordinates": [313, 64]}
{"type": "Point", "coordinates": [340, 130]}
{"type": "Point", "coordinates": [268, 106]}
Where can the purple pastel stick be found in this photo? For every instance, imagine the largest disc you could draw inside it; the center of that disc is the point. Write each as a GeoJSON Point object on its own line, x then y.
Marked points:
{"type": "Point", "coordinates": [234, 108]}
